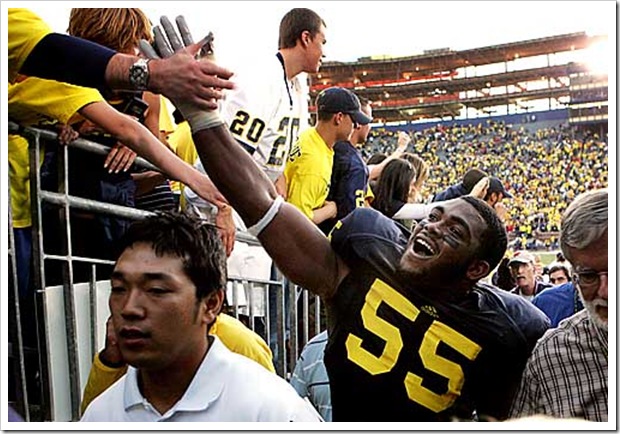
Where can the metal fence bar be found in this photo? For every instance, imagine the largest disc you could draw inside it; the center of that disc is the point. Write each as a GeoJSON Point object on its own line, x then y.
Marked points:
{"type": "Point", "coordinates": [79, 143]}
{"type": "Point", "coordinates": [17, 348]}
{"type": "Point", "coordinates": [39, 267]}
{"type": "Point", "coordinates": [294, 332]}
{"type": "Point", "coordinates": [79, 259]}
{"type": "Point", "coordinates": [304, 304]}
{"type": "Point", "coordinates": [93, 205]}
{"type": "Point", "coordinates": [92, 304]}
{"type": "Point", "coordinates": [67, 286]}
{"type": "Point", "coordinates": [317, 315]}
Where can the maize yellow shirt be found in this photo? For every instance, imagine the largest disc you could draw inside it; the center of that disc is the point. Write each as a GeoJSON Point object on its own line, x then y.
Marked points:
{"type": "Point", "coordinates": [37, 102]}
{"type": "Point", "coordinates": [308, 172]}
{"type": "Point", "coordinates": [26, 29]}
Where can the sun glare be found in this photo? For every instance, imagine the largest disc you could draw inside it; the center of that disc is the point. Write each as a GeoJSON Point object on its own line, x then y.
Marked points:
{"type": "Point", "coordinates": [596, 57]}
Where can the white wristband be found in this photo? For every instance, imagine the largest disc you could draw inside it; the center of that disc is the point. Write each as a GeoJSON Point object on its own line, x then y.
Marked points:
{"type": "Point", "coordinates": [202, 120]}
{"type": "Point", "coordinates": [266, 219]}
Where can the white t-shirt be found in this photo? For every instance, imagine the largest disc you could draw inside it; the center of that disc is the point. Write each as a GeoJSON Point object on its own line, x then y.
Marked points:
{"type": "Point", "coordinates": [227, 387]}
{"type": "Point", "coordinates": [266, 112]}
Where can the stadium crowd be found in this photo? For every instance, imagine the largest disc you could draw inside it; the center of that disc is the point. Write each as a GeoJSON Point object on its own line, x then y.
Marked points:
{"type": "Point", "coordinates": [544, 169]}
{"type": "Point", "coordinates": [422, 325]}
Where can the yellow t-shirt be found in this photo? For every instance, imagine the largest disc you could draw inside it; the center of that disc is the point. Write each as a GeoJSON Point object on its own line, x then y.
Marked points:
{"type": "Point", "coordinates": [182, 144]}
{"type": "Point", "coordinates": [308, 172]}
{"type": "Point", "coordinates": [233, 334]}
{"type": "Point", "coordinates": [165, 120]}
{"type": "Point", "coordinates": [32, 102]}
{"type": "Point", "coordinates": [241, 340]}
{"type": "Point", "coordinates": [26, 29]}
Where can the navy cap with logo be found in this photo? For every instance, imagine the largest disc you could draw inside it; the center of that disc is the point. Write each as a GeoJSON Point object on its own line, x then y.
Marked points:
{"type": "Point", "coordinates": [496, 186]}
{"type": "Point", "coordinates": [341, 100]}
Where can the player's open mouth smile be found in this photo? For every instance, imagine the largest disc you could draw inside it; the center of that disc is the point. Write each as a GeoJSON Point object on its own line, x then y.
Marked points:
{"type": "Point", "coordinates": [423, 248]}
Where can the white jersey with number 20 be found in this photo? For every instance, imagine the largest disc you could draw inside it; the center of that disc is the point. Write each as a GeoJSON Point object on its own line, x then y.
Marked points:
{"type": "Point", "coordinates": [266, 112]}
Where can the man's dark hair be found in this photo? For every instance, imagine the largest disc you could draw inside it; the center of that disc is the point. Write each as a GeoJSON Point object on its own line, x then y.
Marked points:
{"type": "Point", "coordinates": [557, 267]}
{"type": "Point", "coordinates": [471, 178]}
{"type": "Point", "coordinates": [294, 23]}
{"type": "Point", "coordinates": [494, 239]}
{"type": "Point", "coordinates": [195, 241]}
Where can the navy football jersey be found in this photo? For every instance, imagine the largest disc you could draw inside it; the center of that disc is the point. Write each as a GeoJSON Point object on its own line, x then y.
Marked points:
{"type": "Point", "coordinates": [349, 182]}
{"type": "Point", "coordinates": [395, 354]}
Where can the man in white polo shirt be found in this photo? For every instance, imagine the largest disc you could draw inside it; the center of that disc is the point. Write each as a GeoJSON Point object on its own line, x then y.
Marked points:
{"type": "Point", "coordinates": [167, 289]}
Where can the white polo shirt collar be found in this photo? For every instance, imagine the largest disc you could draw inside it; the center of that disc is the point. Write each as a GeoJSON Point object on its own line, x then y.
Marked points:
{"type": "Point", "coordinates": [204, 389]}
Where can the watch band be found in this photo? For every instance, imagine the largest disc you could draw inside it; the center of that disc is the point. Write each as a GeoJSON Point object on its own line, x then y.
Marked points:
{"type": "Point", "coordinates": [139, 74]}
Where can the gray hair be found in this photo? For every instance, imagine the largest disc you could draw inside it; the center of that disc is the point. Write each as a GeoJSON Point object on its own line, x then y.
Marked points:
{"type": "Point", "coordinates": [584, 221]}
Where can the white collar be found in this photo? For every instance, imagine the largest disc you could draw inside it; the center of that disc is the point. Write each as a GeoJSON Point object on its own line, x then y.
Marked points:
{"type": "Point", "coordinates": [206, 386]}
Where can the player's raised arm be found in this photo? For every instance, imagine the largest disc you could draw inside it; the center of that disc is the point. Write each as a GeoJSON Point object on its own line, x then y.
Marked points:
{"type": "Point", "coordinates": [297, 246]}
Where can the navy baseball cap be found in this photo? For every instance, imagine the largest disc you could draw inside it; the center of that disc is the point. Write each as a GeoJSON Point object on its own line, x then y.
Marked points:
{"type": "Point", "coordinates": [496, 186]}
{"type": "Point", "coordinates": [341, 100]}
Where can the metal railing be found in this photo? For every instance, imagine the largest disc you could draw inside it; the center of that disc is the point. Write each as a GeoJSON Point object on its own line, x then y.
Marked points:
{"type": "Point", "coordinates": [300, 330]}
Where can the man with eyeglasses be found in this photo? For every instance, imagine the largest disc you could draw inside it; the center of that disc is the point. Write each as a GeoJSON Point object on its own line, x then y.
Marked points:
{"type": "Point", "coordinates": [566, 375]}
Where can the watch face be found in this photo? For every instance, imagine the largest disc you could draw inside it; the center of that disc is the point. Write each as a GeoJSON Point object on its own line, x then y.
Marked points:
{"type": "Point", "coordinates": [139, 74]}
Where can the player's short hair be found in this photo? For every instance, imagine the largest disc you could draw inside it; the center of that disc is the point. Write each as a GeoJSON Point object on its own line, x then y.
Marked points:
{"type": "Point", "coordinates": [494, 240]}
{"type": "Point", "coordinates": [117, 28]}
{"type": "Point", "coordinates": [196, 242]}
{"type": "Point", "coordinates": [295, 22]}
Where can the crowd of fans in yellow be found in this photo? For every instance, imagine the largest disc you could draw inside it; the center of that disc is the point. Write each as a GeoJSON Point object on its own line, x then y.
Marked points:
{"type": "Point", "coordinates": [543, 169]}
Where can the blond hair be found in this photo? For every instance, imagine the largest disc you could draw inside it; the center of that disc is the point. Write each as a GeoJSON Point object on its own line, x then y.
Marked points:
{"type": "Point", "coordinates": [117, 28]}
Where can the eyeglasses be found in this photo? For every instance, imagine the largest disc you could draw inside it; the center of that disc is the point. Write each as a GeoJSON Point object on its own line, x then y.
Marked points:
{"type": "Point", "coordinates": [589, 280]}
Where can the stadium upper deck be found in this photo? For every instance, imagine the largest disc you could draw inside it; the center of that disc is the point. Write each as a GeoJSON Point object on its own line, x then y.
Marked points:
{"type": "Point", "coordinates": [450, 83]}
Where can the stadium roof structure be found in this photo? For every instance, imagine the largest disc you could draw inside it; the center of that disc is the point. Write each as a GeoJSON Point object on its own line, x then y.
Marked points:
{"type": "Point", "coordinates": [437, 83]}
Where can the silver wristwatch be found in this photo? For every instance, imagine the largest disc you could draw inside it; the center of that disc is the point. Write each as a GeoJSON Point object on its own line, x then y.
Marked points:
{"type": "Point", "coordinates": [139, 74]}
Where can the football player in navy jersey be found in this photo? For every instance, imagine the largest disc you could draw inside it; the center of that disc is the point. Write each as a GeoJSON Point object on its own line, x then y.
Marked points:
{"type": "Point", "coordinates": [413, 335]}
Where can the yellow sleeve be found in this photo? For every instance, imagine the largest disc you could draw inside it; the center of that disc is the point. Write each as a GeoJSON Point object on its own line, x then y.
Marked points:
{"type": "Point", "coordinates": [19, 181]}
{"type": "Point", "coordinates": [100, 378]}
{"type": "Point", "coordinates": [241, 340]}
{"type": "Point", "coordinates": [34, 100]}
{"type": "Point", "coordinates": [165, 120]}
{"type": "Point", "coordinates": [182, 144]}
{"type": "Point", "coordinates": [26, 29]}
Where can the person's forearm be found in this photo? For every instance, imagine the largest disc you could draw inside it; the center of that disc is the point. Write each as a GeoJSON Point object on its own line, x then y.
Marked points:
{"type": "Point", "coordinates": [295, 244]}
{"type": "Point", "coordinates": [415, 211]}
{"type": "Point", "coordinates": [146, 144]}
{"type": "Point", "coordinates": [72, 60]}
{"type": "Point", "coordinates": [230, 166]}
{"type": "Point", "coordinates": [319, 215]}
{"type": "Point", "coordinates": [374, 170]}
